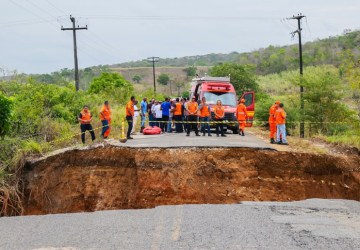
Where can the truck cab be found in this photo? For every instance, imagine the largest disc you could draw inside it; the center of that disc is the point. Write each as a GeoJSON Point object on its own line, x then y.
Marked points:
{"type": "Point", "coordinates": [220, 88]}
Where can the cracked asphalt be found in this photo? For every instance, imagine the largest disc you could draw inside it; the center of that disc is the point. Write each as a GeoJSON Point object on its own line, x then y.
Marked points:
{"type": "Point", "coordinates": [310, 224]}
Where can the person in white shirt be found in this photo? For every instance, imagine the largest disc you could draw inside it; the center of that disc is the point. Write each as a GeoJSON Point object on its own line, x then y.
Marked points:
{"type": "Point", "coordinates": [157, 112]}
{"type": "Point", "coordinates": [136, 115]}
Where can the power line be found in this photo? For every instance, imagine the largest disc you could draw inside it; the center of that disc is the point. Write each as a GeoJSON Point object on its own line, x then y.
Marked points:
{"type": "Point", "coordinates": [162, 18]}
{"type": "Point", "coordinates": [33, 13]}
{"type": "Point", "coordinates": [55, 7]}
{"type": "Point", "coordinates": [24, 22]}
{"type": "Point", "coordinates": [41, 9]}
{"type": "Point", "coordinates": [90, 42]}
{"type": "Point", "coordinates": [103, 41]}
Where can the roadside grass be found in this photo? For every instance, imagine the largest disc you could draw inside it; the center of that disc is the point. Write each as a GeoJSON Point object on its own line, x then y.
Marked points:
{"type": "Point", "coordinates": [347, 139]}
{"type": "Point", "coordinates": [296, 144]}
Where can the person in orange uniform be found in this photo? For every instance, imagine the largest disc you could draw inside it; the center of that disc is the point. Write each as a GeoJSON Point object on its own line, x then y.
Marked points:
{"type": "Point", "coordinates": [219, 111]}
{"type": "Point", "coordinates": [85, 119]}
{"type": "Point", "coordinates": [280, 117]}
{"type": "Point", "coordinates": [105, 117]}
{"type": "Point", "coordinates": [129, 115]}
{"type": "Point", "coordinates": [272, 121]}
{"type": "Point", "coordinates": [192, 109]}
{"type": "Point", "coordinates": [241, 114]}
{"type": "Point", "coordinates": [178, 116]}
{"type": "Point", "coordinates": [205, 117]}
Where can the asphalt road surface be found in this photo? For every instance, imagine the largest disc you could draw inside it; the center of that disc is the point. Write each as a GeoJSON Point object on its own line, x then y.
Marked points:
{"type": "Point", "coordinates": [310, 224]}
{"type": "Point", "coordinates": [170, 140]}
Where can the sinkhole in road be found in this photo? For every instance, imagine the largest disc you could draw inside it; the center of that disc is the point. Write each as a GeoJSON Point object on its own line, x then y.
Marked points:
{"type": "Point", "coordinates": [112, 177]}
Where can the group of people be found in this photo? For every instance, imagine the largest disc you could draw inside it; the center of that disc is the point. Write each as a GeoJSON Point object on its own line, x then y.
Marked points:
{"type": "Point", "coordinates": [185, 114]}
{"type": "Point", "coordinates": [85, 119]}
{"type": "Point", "coordinates": [277, 120]}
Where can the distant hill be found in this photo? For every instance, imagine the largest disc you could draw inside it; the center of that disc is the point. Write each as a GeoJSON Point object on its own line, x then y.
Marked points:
{"type": "Point", "coordinates": [273, 59]}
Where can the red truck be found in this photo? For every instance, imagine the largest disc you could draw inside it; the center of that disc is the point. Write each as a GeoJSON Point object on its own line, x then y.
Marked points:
{"type": "Point", "coordinates": [220, 88]}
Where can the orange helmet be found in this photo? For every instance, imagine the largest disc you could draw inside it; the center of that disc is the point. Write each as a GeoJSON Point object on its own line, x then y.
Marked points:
{"type": "Point", "coordinates": [277, 102]}
{"type": "Point", "coordinates": [242, 100]}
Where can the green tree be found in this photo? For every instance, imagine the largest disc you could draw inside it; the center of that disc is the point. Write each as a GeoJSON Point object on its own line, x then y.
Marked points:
{"type": "Point", "coordinates": [185, 94]}
{"type": "Point", "coordinates": [163, 79]}
{"type": "Point", "coordinates": [241, 76]}
{"type": "Point", "coordinates": [350, 69]}
{"type": "Point", "coordinates": [107, 82]}
{"type": "Point", "coordinates": [190, 71]}
{"type": "Point", "coordinates": [323, 99]}
{"type": "Point", "coordinates": [5, 115]}
{"type": "Point", "coordinates": [137, 78]}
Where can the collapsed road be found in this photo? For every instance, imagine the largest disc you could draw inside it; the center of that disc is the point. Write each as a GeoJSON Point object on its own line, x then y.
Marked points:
{"type": "Point", "coordinates": [150, 172]}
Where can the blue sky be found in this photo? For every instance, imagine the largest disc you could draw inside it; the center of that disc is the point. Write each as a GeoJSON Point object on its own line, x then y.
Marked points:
{"type": "Point", "coordinates": [120, 31]}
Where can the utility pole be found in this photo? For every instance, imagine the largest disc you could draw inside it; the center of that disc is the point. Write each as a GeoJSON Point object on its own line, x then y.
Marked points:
{"type": "Point", "coordinates": [154, 60]}
{"type": "Point", "coordinates": [178, 87]}
{"type": "Point", "coordinates": [74, 29]}
{"type": "Point", "coordinates": [298, 31]}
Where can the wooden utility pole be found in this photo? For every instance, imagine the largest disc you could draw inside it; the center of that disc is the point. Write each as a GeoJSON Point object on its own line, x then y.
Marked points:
{"type": "Point", "coordinates": [298, 31]}
{"type": "Point", "coordinates": [74, 29]}
{"type": "Point", "coordinates": [154, 60]}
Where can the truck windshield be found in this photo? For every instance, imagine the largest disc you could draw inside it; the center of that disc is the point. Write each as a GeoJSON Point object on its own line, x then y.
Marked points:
{"type": "Point", "coordinates": [227, 99]}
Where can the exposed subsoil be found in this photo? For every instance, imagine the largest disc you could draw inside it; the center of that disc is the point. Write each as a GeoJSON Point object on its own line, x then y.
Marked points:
{"type": "Point", "coordinates": [125, 178]}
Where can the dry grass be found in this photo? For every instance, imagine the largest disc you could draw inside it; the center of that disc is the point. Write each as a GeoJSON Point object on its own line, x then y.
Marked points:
{"type": "Point", "coordinates": [296, 144]}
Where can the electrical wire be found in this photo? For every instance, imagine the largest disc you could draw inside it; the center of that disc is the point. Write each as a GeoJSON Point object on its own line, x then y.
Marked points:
{"type": "Point", "coordinates": [308, 28]}
{"type": "Point", "coordinates": [33, 13]}
{"type": "Point", "coordinates": [55, 7]}
{"type": "Point", "coordinates": [164, 18]}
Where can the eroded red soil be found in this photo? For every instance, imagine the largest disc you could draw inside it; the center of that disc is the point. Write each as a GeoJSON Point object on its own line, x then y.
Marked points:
{"type": "Point", "coordinates": [124, 178]}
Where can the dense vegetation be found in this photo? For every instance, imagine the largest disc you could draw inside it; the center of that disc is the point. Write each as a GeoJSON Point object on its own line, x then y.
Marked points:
{"type": "Point", "coordinates": [272, 59]}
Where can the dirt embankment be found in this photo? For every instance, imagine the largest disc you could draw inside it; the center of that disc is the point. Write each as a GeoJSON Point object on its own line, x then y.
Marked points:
{"type": "Point", "coordinates": [123, 178]}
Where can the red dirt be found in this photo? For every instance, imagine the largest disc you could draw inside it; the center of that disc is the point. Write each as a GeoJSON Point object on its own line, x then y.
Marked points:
{"type": "Point", "coordinates": [124, 178]}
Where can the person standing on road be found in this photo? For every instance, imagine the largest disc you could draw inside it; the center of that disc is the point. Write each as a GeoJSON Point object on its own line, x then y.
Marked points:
{"type": "Point", "coordinates": [171, 117]}
{"type": "Point", "coordinates": [105, 117]}
{"type": "Point", "coordinates": [157, 112]}
{"type": "Point", "coordinates": [165, 108]}
{"type": "Point", "coordinates": [219, 111]}
{"type": "Point", "coordinates": [129, 115]}
{"type": "Point", "coordinates": [85, 119]}
{"type": "Point", "coordinates": [280, 125]}
{"type": "Point", "coordinates": [178, 116]}
{"type": "Point", "coordinates": [241, 114]}
{"type": "Point", "coordinates": [136, 115]}
{"type": "Point", "coordinates": [192, 110]}
{"type": "Point", "coordinates": [205, 115]}
{"type": "Point", "coordinates": [272, 121]}
{"type": "Point", "coordinates": [184, 113]}
{"type": "Point", "coordinates": [143, 111]}
{"type": "Point", "coordinates": [150, 112]}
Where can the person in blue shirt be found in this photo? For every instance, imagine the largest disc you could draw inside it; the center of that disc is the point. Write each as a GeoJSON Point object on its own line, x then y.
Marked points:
{"type": "Point", "coordinates": [165, 107]}
{"type": "Point", "coordinates": [143, 111]}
